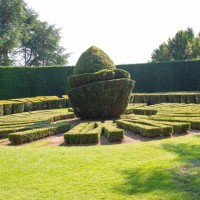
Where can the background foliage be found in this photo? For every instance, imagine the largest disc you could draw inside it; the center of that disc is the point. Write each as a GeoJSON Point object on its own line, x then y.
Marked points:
{"type": "Point", "coordinates": [25, 40]}
{"type": "Point", "coordinates": [183, 46]}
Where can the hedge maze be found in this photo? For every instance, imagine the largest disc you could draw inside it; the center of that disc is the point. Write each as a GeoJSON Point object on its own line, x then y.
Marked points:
{"type": "Point", "coordinates": [30, 126]}
{"type": "Point", "coordinates": [159, 120]}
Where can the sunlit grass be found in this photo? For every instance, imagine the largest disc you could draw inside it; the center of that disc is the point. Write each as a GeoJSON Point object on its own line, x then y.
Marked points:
{"type": "Point", "coordinates": [164, 169]}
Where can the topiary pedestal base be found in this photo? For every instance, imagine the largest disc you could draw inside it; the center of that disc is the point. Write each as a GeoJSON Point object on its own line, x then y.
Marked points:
{"type": "Point", "coordinates": [101, 100]}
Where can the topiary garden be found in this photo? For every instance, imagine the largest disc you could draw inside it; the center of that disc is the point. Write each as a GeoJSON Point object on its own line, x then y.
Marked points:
{"type": "Point", "coordinates": [100, 96]}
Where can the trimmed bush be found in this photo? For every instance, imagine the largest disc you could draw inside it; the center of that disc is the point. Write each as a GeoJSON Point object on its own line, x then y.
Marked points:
{"type": "Point", "coordinates": [103, 75]}
{"type": "Point", "coordinates": [131, 107]}
{"type": "Point", "coordinates": [83, 133]}
{"type": "Point", "coordinates": [17, 107]}
{"type": "Point", "coordinates": [113, 134]}
{"type": "Point", "coordinates": [171, 97]}
{"type": "Point", "coordinates": [1, 110]}
{"type": "Point", "coordinates": [68, 104]}
{"type": "Point", "coordinates": [7, 108]}
{"type": "Point", "coordinates": [178, 127]}
{"type": "Point", "coordinates": [28, 105]}
{"type": "Point", "coordinates": [97, 94]}
{"type": "Point", "coordinates": [62, 127]}
{"type": "Point", "coordinates": [112, 102]}
{"type": "Point", "coordinates": [93, 60]}
{"type": "Point", "coordinates": [195, 123]}
{"type": "Point", "coordinates": [144, 111]}
{"type": "Point", "coordinates": [23, 82]}
{"type": "Point", "coordinates": [37, 104]}
{"type": "Point", "coordinates": [11, 128]}
{"type": "Point", "coordinates": [31, 135]}
{"type": "Point", "coordinates": [144, 130]}
{"type": "Point", "coordinates": [165, 130]}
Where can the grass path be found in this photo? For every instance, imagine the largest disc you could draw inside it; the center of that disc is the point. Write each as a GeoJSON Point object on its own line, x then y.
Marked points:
{"type": "Point", "coordinates": [163, 169]}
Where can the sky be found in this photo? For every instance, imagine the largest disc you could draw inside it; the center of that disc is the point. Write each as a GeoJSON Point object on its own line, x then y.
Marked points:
{"type": "Point", "coordinates": [127, 30]}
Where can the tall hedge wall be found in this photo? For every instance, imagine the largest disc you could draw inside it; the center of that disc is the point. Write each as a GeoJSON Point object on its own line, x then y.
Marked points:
{"type": "Point", "coordinates": [16, 82]}
{"type": "Point", "coordinates": [165, 76]}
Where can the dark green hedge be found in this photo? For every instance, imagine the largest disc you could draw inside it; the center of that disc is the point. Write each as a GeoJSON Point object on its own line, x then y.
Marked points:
{"type": "Point", "coordinates": [165, 76]}
{"type": "Point", "coordinates": [17, 82]}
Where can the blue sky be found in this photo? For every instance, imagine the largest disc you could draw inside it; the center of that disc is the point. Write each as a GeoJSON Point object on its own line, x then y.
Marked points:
{"type": "Point", "coordinates": [127, 30]}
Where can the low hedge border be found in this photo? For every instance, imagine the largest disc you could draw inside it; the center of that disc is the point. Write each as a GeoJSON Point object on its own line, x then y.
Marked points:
{"type": "Point", "coordinates": [172, 97]}
{"type": "Point", "coordinates": [166, 130]}
{"type": "Point", "coordinates": [84, 133]}
{"type": "Point", "coordinates": [8, 128]}
{"type": "Point", "coordinates": [39, 133]}
{"type": "Point", "coordinates": [195, 123]}
{"type": "Point", "coordinates": [144, 111]}
{"type": "Point", "coordinates": [113, 134]}
{"type": "Point", "coordinates": [143, 130]}
{"type": "Point", "coordinates": [13, 106]}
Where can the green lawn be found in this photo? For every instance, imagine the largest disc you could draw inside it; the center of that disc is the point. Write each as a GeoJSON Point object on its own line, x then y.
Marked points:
{"type": "Point", "coordinates": [162, 169]}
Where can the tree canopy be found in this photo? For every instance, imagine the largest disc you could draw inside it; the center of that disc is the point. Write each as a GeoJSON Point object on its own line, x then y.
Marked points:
{"type": "Point", "coordinates": [184, 46]}
{"type": "Point", "coordinates": [25, 40]}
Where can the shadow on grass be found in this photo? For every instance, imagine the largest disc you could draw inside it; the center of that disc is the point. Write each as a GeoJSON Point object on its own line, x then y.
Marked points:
{"type": "Point", "coordinates": [178, 180]}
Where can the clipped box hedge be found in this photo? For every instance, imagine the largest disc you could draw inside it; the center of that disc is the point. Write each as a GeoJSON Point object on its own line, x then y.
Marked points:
{"type": "Point", "coordinates": [84, 133]}
{"type": "Point", "coordinates": [12, 128]}
{"type": "Point", "coordinates": [7, 108]}
{"type": "Point", "coordinates": [102, 75]}
{"type": "Point", "coordinates": [144, 111]}
{"type": "Point", "coordinates": [178, 127]}
{"type": "Point", "coordinates": [113, 134]}
{"type": "Point", "coordinates": [194, 121]}
{"type": "Point", "coordinates": [17, 107]}
{"type": "Point", "coordinates": [28, 105]}
{"type": "Point", "coordinates": [169, 97]}
{"type": "Point", "coordinates": [31, 135]}
{"type": "Point", "coordinates": [1, 110]}
{"type": "Point", "coordinates": [165, 130]}
{"type": "Point", "coordinates": [39, 132]}
{"type": "Point", "coordinates": [143, 130]}
{"type": "Point", "coordinates": [62, 127]}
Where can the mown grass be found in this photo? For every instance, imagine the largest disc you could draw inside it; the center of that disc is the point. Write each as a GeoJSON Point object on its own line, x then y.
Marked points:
{"type": "Point", "coordinates": [164, 169]}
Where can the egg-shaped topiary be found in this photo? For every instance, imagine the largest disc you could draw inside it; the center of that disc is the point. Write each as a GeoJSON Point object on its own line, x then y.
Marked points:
{"type": "Point", "coordinates": [98, 89]}
{"type": "Point", "coordinates": [93, 60]}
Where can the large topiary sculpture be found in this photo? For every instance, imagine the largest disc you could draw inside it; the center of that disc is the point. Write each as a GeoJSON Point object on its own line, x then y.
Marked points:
{"type": "Point", "coordinates": [98, 89]}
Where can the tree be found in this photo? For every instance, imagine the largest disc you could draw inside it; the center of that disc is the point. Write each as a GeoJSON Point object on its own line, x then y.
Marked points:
{"type": "Point", "coordinates": [12, 15]}
{"type": "Point", "coordinates": [42, 46]}
{"type": "Point", "coordinates": [25, 40]}
{"type": "Point", "coordinates": [161, 54]}
{"type": "Point", "coordinates": [180, 47]}
{"type": "Point", "coordinates": [196, 47]}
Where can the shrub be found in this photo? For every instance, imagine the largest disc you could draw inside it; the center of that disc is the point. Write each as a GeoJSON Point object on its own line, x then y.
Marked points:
{"type": "Point", "coordinates": [93, 60]}
{"type": "Point", "coordinates": [164, 129]}
{"type": "Point", "coordinates": [62, 127]}
{"type": "Point", "coordinates": [83, 133]}
{"type": "Point", "coordinates": [17, 107]}
{"type": "Point", "coordinates": [144, 130]}
{"type": "Point", "coordinates": [1, 109]}
{"type": "Point", "coordinates": [99, 91]}
{"type": "Point", "coordinates": [31, 135]}
{"type": "Point", "coordinates": [144, 111]}
{"type": "Point", "coordinates": [102, 75]}
{"type": "Point", "coordinates": [113, 134]}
